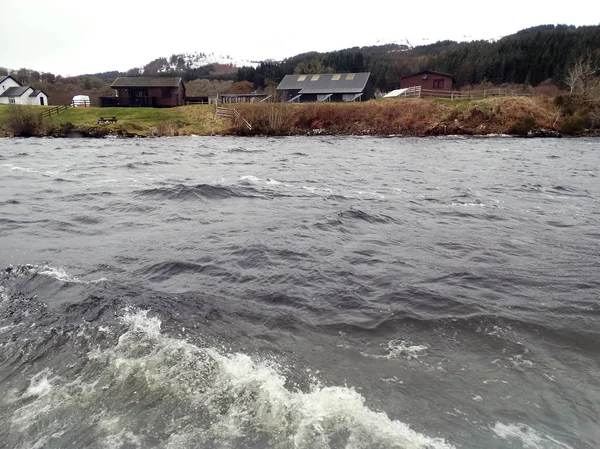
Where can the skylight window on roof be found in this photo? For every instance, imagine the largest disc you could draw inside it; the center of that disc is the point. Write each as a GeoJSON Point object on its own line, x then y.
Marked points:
{"type": "Point", "coordinates": [336, 77]}
{"type": "Point", "coordinates": [350, 76]}
{"type": "Point", "coordinates": [315, 77]}
{"type": "Point", "coordinates": [302, 78]}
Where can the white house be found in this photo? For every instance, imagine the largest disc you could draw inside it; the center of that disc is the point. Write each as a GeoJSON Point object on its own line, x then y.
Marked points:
{"type": "Point", "coordinates": [12, 92]}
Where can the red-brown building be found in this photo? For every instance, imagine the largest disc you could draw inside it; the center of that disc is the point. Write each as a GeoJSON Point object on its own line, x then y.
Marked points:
{"type": "Point", "coordinates": [429, 80]}
{"type": "Point", "coordinates": [150, 91]}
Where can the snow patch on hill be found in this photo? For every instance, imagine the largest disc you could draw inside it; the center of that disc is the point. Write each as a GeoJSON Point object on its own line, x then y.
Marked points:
{"type": "Point", "coordinates": [195, 60]}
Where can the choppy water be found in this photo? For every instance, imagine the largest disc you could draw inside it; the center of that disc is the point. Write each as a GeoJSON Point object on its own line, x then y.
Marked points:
{"type": "Point", "coordinates": [300, 293]}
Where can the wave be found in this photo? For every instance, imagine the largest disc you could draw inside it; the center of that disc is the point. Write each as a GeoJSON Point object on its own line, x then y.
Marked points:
{"type": "Point", "coordinates": [357, 214]}
{"type": "Point", "coordinates": [243, 150]}
{"type": "Point", "coordinates": [527, 437]}
{"type": "Point", "coordinates": [165, 270]}
{"type": "Point", "coordinates": [182, 192]}
{"type": "Point", "coordinates": [152, 390]}
{"type": "Point", "coordinates": [58, 274]}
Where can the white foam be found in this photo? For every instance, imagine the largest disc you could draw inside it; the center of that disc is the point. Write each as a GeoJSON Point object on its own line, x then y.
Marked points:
{"type": "Point", "coordinates": [519, 362]}
{"type": "Point", "coordinates": [469, 204]}
{"type": "Point", "coordinates": [317, 190]}
{"type": "Point", "coordinates": [250, 178]}
{"type": "Point", "coordinates": [61, 275]}
{"type": "Point", "coordinates": [214, 395]}
{"type": "Point", "coordinates": [401, 349]}
{"type": "Point", "coordinates": [40, 385]}
{"type": "Point", "coordinates": [12, 167]}
{"type": "Point", "coordinates": [527, 436]}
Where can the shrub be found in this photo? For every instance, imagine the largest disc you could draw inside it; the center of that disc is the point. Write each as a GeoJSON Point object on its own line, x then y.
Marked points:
{"type": "Point", "coordinates": [23, 121]}
{"type": "Point", "coordinates": [574, 124]}
{"type": "Point", "coordinates": [167, 128]}
{"type": "Point", "coordinates": [523, 126]}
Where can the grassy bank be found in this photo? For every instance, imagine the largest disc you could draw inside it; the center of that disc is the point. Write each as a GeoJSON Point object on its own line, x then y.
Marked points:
{"type": "Point", "coordinates": [411, 117]}
{"type": "Point", "coordinates": [185, 120]}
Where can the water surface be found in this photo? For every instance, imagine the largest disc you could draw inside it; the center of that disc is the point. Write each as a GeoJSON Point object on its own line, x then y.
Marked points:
{"type": "Point", "coordinates": [299, 293]}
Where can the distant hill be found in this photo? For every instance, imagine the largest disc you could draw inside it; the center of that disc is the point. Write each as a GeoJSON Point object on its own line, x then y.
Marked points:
{"type": "Point", "coordinates": [541, 54]}
{"type": "Point", "coordinates": [530, 56]}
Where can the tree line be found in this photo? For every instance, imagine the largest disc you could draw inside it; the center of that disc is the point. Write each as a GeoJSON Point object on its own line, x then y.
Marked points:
{"type": "Point", "coordinates": [529, 57]}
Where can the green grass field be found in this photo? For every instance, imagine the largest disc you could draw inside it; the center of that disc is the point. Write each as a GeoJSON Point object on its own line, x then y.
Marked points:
{"type": "Point", "coordinates": [196, 119]}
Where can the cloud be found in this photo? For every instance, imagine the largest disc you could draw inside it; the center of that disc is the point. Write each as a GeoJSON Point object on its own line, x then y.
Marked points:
{"type": "Point", "coordinates": [75, 36]}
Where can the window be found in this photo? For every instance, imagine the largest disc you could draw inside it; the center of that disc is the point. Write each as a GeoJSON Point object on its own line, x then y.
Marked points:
{"type": "Point", "coordinates": [336, 77]}
{"type": "Point", "coordinates": [302, 78]}
{"type": "Point", "coordinates": [165, 92]}
{"type": "Point", "coordinates": [438, 84]}
{"type": "Point", "coordinates": [350, 76]}
{"type": "Point", "coordinates": [11, 100]}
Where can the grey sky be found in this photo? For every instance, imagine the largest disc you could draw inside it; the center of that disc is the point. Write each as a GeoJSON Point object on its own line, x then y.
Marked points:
{"type": "Point", "coordinates": [72, 37]}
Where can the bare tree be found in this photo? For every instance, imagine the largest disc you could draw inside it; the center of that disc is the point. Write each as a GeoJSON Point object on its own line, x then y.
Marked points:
{"type": "Point", "coordinates": [582, 79]}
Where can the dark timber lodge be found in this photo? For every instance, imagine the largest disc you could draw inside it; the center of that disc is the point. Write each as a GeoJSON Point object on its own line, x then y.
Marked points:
{"type": "Point", "coordinates": [156, 92]}
{"type": "Point", "coordinates": [326, 87]}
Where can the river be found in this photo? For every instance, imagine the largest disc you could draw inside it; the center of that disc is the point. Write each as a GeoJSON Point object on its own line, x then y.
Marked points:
{"type": "Point", "coordinates": [300, 292]}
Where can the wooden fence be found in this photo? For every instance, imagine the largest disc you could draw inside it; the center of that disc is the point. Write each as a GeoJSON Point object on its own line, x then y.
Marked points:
{"type": "Point", "coordinates": [55, 110]}
{"type": "Point", "coordinates": [471, 94]}
{"type": "Point", "coordinates": [418, 92]}
{"type": "Point", "coordinates": [232, 114]}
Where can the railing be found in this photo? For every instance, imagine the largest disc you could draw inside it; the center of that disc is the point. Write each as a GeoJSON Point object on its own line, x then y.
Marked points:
{"type": "Point", "coordinates": [472, 94]}
{"type": "Point", "coordinates": [55, 110]}
{"type": "Point", "coordinates": [85, 103]}
{"type": "Point", "coordinates": [233, 114]}
{"type": "Point", "coordinates": [127, 101]}
{"type": "Point", "coordinates": [418, 92]}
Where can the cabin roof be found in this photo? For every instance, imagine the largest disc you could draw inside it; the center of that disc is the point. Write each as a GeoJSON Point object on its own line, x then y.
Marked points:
{"type": "Point", "coordinates": [146, 81]}
{"type": "Point", "coordinates": [326, 83]}
{"type": "Point", "coordinates": [430, 72]}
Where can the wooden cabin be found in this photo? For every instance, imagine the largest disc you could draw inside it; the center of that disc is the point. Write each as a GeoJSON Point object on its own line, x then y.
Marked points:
{"type": "Point", "coordinates": [428, 80]}
{"type": "Point", "coordinates": [147, 91]}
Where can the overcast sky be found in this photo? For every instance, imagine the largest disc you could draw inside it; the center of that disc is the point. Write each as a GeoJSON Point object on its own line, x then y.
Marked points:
{"type": "Point", "coordinates": [72, 37]}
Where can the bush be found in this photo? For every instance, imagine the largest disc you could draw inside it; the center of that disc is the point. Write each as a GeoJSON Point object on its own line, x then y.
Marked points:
{"type": "Point", "coordinates": [167, 128]}
{"type": "Point", "coordinates": [24, 121]}
{"type": "Point", "coordinates": [574, 124]}
{"type": "Point", "coordinates": [523, 126]}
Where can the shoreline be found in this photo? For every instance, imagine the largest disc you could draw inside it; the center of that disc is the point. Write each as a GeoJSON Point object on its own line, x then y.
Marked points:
{"type": "Point", "coordinates": [528, 117]}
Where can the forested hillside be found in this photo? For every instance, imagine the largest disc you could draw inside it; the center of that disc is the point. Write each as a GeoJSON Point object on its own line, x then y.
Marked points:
{"type": "Point", "coordinates": [530, 56]}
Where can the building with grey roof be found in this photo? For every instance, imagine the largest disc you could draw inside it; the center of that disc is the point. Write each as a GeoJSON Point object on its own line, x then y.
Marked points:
{"type": "Point", "coordinates": [324, 87]}
{"type": "Point", "coordinates": [12, 92]}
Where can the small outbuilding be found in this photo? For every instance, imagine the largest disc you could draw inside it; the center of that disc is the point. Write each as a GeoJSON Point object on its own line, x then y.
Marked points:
{"type": "Point", "coordinates": [322, 87]}
{"type": "Point", "coordinates": [12, 92]}
{"type": "Point", "coordinates": [428, 80]}
{"type": "Point", "coordinates": [149, 91]}
{"type": "Point", "coordinates": [81, 101]}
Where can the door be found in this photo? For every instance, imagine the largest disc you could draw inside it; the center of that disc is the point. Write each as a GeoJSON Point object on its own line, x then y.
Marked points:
{"type": "Point", "coordinates": [42, 101]}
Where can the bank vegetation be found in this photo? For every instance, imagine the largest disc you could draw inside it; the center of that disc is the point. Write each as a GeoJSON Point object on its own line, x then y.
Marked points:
{"type": "Point", "coordinates": [570, 114]}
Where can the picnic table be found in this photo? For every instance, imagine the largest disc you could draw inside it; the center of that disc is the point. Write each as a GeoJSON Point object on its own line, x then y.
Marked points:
{"type": "Point", "coordinates": [106, 120]}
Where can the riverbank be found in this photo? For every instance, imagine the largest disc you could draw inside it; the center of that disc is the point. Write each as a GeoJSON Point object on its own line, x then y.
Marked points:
{"type": "Point", "coordinates": [534, 116]}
